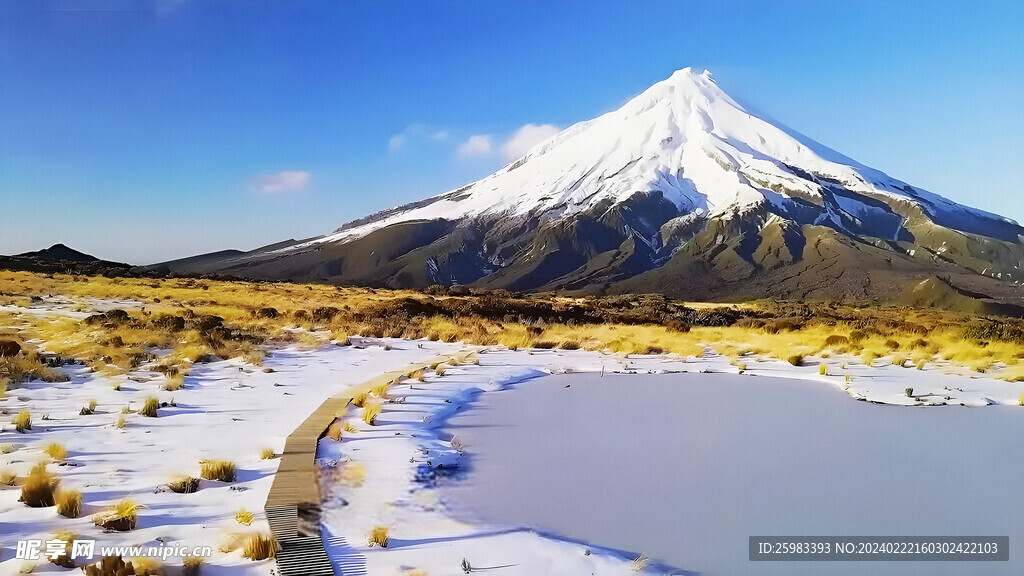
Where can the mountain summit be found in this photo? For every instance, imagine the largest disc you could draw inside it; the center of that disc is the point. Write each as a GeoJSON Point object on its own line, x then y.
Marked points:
{"type": "Point", "coordinates": [681, 191]}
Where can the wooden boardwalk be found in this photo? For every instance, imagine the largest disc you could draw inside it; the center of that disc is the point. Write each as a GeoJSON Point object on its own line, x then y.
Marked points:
{"type": "Point", "coordinates": [293, 505]}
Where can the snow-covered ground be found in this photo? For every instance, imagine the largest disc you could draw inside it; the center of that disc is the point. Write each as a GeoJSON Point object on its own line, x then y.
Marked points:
{"type": "Point", "coordinates": [229, 410]}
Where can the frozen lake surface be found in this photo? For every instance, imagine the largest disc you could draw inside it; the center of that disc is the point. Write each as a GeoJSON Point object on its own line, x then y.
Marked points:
{"type": "Point", "coordinates": [685, 467]}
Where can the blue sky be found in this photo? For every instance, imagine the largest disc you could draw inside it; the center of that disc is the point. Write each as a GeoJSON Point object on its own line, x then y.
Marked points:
{"type": "Point", "coordinates": [141, 131]}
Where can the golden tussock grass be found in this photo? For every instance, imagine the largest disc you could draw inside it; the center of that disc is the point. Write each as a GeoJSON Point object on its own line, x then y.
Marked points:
{"type": "Point", "coordinates": [122, 516]}
{"type": "Point", "coordinates": [56, 450]}
{"type": "Point", "coordinates": [174, 382]}
{"type": "Point", "coordinates": [440, 369]}
{"type": "Point", "coordinates": [267, 454]}
{"type": "Point", "coordinates": [150, 407]}
{"type": "Point", "coordinates": [981, 365]}
{"type": "Point", "coordinates": [7, 448]}
{"type": "Point", "coordinates": [145, 566]}
{"type": "Point", "coordinates": [68, 503]}
{"type": "Point", "coordinates": [244, 517]}
{"type": "Point", "coordinates": [359, 398]}
{"type": "Point", "coordinates": [764, 328]}
{"type": "Point", "coordinates": [120, 422]}
{"type": "Point", "coordinates": [639, 563]}
{"type": "Point", "coordinates": [350, 427]}
{"type": "Point", "coordinates": [184, 485]}
{"type": "Point", "coordinates": [823, 369]}
{"type": "Point", "coordinates": [191, 565]}
{"type": "Point", "coordinates": [371, 409]}
{"type": "Point", "coordinates": [381, 389]}
{"type": "Point", "coordinates": [62, 558]}
{"type": "Point", "coordinates": [7, 478]}
{"type": "Point", "coordinates": [1013, 373]}
{"type": "Point", "coordinates": [259, 546]}
{"type": "Point", "coordinates": [222, 470]}
{"type": "Point", "coordinates": [22, 421]}
{"type": "Point", "coordinates": [39, 488]}
{"type": "Point", "coordinates": [378, 536]}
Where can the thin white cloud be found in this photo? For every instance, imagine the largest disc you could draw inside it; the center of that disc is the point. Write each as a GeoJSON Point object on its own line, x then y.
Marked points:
{"type": "Point", "coordinates": [415, 132]}
{"type": "Point", "coordinates": [477, 145]}
{"type": "Point", "coordinates": [285, 181]}
{"type": "Point", "coordinates": [527, 137]}
{"type": "Point", "coordinates": [396, 142]}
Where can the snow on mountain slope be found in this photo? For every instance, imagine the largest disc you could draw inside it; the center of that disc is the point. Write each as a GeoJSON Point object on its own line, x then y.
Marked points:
{"type": "Point", "coordinates": [679, 191]}
{"type": "Point", "coordinates": [683, 137]}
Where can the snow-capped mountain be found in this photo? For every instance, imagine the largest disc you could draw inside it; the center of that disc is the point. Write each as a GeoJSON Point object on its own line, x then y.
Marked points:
{"type": "Point", "coordinates": [680, 191]}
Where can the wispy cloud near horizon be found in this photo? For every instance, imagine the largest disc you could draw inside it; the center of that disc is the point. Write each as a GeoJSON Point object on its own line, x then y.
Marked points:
{"type": "Point", "coordinates": [527, 137]}
{"type": "Point", "coordinates": [284, 181]}
{"type": "Point", "coordinates": [415, 131]}
{"type": "Point", "coordinates": [476, 145]}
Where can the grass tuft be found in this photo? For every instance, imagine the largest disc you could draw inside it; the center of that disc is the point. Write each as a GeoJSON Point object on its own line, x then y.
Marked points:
{"type": "Point", "coordinates": [379, 390]}
{"type": "Point", "coordinates": [836, 340]}
{"type": "Point", "coordinates": [56, 450]}
{"type": "Point", "coordinates": [191, 565]}
{"type": "Point", "coordinates": [69, 503]}
{"type": "Point", "coordinates": [359, 398]}
{"type": "Point", "coordinates": [378, 536]}
{"type": "Point", "coordinates": [259, 547]}
{"type": "Point", "coordinates": [23, 421]}
{"type": "Point", "coordinates": [146, 566]}
{"type": "Point", "coordinates": [150, 407]}
{"type": "Point", "coordinates": [245, 517]}
{"type": "Point", "coordinates": [371, 409]}
{"type": "Point", "coordinates": [639, 563]}
{"type": "Point", "coordinates": [222, 470]}
{"type": "Point", "coordinates": [39, 488]}
{"type": "Point", "coordinates": [122, 516]}
{"type": "Point", "coordinates": [174, 382]}
{"type": "Point", "coordinates": [184, 485]}
{"type": "Point", "coordinates": [823, 369]}
{"type": "Point", "coordinates": [795, 360]}
{"type": "Point", "coordinates": [267, 454]}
